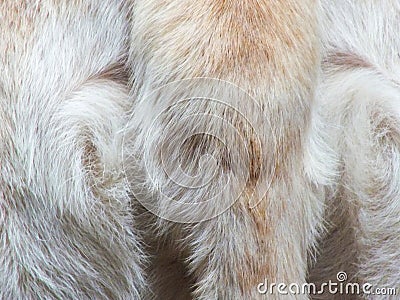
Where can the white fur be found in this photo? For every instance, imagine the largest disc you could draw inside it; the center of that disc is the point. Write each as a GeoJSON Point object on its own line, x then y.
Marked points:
{"type": "Point", "coordinates": [261, 144]}
{"type": "Point", "coordinates": [66, 225]}
{"type": "Point", "coordinates": [360, 95]}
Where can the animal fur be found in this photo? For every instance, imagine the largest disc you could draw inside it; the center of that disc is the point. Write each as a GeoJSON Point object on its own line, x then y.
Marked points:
{"type": "Point", "coordinates": [360, 95]}
{"type": "Point", "coordinates": [262, 142]}
{"type": "Point", "coordinates": [66, 226]}
{"type": "Point", "coordinates": [254, 65]}
{"type": "Point", "coordinates": [317, 128]}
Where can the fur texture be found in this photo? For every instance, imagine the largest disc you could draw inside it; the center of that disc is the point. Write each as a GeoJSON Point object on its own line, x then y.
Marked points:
{"type": "Point", "coordinates": [291, 137]}
{"type": "Point", "coordinates": [222, 133]}
{"type": "Point", "coordinates": [263, 143]}
{"type": "Point", "coordinates": [360, 95]}
{"type": "Point", "coordinates": [65, 218]}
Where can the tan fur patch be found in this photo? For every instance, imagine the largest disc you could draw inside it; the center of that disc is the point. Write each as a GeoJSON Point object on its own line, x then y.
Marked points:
{"type": "Point", "coordinates": [246, 42]}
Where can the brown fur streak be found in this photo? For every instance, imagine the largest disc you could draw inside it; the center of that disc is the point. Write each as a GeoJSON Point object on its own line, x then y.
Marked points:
{"type": "Point", "coordinates": [259, 256]}
{"type": "Point", "coordinates": [117, 72]}
{"type": "Point", "coordinates": [347, 60]}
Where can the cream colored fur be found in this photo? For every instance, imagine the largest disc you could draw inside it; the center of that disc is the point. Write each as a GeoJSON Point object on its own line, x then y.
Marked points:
{"type": "Point", "coordinates": [226, 141]}
{"type": "Point", "coordinates": [66, 226]}
{"type": "Point", "coordinates": [360, 94]}
{"type": "Point", "coordinates": [324, 140]}
{"type": "Point", "coordinates": [223, 138]}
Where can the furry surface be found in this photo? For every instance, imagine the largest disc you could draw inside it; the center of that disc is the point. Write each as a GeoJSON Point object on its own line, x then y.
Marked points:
{"type": "Point", "coordinates": [232, 109]}
{"type": "Point", "coordinates": [263, 143]}
{"type": "Point", "coordinates": [361, 96]}
{"type": "Point", "coordinates": [223, 137]}
{"type": "Point", "coordinates": [65, 218]}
